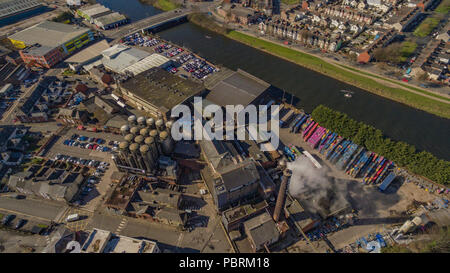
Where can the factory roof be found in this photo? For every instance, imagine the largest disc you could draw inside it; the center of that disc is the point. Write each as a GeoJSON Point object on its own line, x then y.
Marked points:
{"type": "Point", "coordinates": [94, 9]}
{"type": "Point", "coordinates": [161, 88]}
{"type": "Point", "coordinates": [261, 229]}
{"type": "Point", "coordinates": [243, 173]}
{"type": "Point", "coordinates": [161, 196]}
{"type": "Point", "coordinates": [109, 19]}
{"type": "Point", "coordinates": [89, 53]}
{"type": "Point", "coordinates": [238, 88]}
{"type": "Point", "coordinates": [9, 7]}
{"type": "Point", "coordinates": [154, 60]}
{"type": "Point", "coordinates": [48, 33]}
{"type": "Point", "coordinates": [37, 50]}
{"type": "Point", "coordinates": [119, 57]}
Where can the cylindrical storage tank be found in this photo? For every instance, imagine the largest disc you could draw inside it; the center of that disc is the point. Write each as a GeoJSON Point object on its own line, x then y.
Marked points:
{"type": "Point", "coordinates": [125, 129]}
{"type": "Point", "coordinates": [141, 121]}
{"type": "Point", "coordinates": [169, 125]}
{"type": "Point", "coordinates": [154, 134]}
{"type": "Point", "coordinates": [166, 143]}
{"type": "Point", "coordinates": [147, 157]}
{"type": "Point", "coordinates": [129, 138]}
{"type": "Point", "coordinates": [150, 141]}
{"type": "Point", "coordinates": [132, 120]}
{"type": "Point", "coordinates": [159, 125]}
{"type": "Point", "coordinates": [151, 123]}
{"type": "Point", "coordinates": [134, 155]}
{"type": "Point", "coordinates": [139, 139]}
{"type": "Point", "coordinates": [144, 132]}
{"type": "Point", "coordinates": [134, 130]}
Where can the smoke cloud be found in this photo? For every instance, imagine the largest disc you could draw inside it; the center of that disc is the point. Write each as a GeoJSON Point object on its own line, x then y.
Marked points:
{"type": "Point", "coordinates": [316, 191]}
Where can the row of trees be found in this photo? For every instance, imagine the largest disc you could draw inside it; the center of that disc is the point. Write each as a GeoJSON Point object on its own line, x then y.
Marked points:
{"type": "Point", "coordinates": [403, 154]}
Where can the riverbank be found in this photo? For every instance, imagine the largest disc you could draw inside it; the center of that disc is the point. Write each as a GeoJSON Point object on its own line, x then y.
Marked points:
{"type": "Point", "coordinates": [426, 102]}
{"type": "Point", "coordinates": [164, 5]}
{"type": "Point", "coordinates": [416, 98]}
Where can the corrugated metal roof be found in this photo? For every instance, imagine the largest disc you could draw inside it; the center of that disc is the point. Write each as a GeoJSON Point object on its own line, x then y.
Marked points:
{"type": "Point", "coordinates": [10, 7]}
{"type": "Point", "coordinates": [49, 33]}
{"type": "Point", "coordinates": [119, 58]}
{"type": "Point", "coordinates": [89, 52]}
{"type": "Point", "coordinates": [154, 60]}
{"type": "Point", "coordinates": [109, 19]}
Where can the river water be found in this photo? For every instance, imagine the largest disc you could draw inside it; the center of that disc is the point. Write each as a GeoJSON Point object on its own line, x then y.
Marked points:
{"type": "Point", "coordinates": [397, 121]}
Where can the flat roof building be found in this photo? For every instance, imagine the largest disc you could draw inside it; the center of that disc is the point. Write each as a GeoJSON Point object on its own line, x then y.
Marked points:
{"type": "Point", "coordinates": [261, 231]}
{"type": "Point", "coordinates": [88, 55]}
{"type": "Point", "coordinates": [119, 57]}
{"type": "Point", "coordinates": [237, 88]}
{"type": "Point", "coordinates": [102, 241]}
{"type": "Point", "coordinates": [13, 7]}
{"type": "Point", "coordinates": [110, 20]}
{"type": "Point", "coordinates": [47, 43]}
{"type": "Point", "coordinates": [158, 91]}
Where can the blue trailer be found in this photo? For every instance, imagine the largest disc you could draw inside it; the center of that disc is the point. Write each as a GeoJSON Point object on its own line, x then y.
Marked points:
{"type": "Point", "coordinates": [386, 182]}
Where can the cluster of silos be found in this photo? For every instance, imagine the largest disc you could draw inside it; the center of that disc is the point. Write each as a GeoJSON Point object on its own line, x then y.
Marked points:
{"type": "Point", "coordinates": [144, 141]}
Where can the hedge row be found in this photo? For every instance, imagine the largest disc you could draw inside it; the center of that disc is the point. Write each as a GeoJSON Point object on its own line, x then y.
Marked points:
{"type": "Point", "coordinates": [403, 154]}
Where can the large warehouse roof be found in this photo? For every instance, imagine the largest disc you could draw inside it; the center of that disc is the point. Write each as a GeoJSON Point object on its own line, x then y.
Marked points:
{"type": "Point", "coordinates": [10, 7]}
{"type": "Point", "coordinates": [49, 33]}
{"type": "Point", "coordinates": [154, 60]}
{"type": "Point", "coordinates": [96, 10]}
{"type": "Point", "coordinates": [109, 19]}
{"type": "Point", "coordinates": [238, 88]}
{"type": "Point", "coordinates": [89, 53]}
{"type": "Point", "coordinates": [161, 88]}
{"type": "Point", "coordinates": [119, 57]}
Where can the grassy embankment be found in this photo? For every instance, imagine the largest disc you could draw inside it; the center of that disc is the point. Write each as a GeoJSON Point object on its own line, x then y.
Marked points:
{"type": "Point", "coordinates": [397, 94]}
{"type": "Point", "coordinates": [444, 7]}
{"type": "Point", "coordinates": [164, 5]}
{"type": "Point", "coordinates": [438, 108]}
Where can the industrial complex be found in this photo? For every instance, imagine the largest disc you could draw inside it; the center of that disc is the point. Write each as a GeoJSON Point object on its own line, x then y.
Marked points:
{"type": "Point", "coordinates": [94, 159]}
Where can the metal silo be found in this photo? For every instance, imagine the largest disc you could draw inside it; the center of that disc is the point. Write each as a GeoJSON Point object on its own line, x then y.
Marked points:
{"type": "Point", "coordinates": [139, 139]}
{"type": "Point", "coordinates": [148, 160]}
{"type": "Point", "coordinates": [134, 155]}
{"type": "Point", "coordinates": [125, 129]}
{"type": "Point", "coordinates": [129, 138]}
{"type": "Point", "coordinates": [132, 120]}
{"type": "Point", "coordinates": [144, 132]}
{"type": "Point", "coordinates": [151, 143]}
{"type": "Point", "coordinates": [124, 154]}
{"type": "Point", "coordinates": [151, 123]}
{"type": "Point", "coordinates": [166, 143]}
{"type": "Point", "coordinates": [134, 130]}
{"type": "Point", "coordinates": [160, 125]}
{"type": "Point", "coordinates": [154, 134]}
{"type": "Point", "coordinates": [141, 121]}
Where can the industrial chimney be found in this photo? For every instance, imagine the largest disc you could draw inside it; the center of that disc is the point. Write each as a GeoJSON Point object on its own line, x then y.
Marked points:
{"type": "Point", "coordinates": [281, 195]}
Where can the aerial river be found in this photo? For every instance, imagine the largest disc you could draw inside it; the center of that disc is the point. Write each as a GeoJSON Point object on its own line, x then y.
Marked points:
{"type": "Point", "coordinates": [397, 121]}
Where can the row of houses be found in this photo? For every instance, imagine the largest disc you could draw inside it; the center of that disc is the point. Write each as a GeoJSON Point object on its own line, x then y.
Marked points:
{"type": "Point", "coordinates": [332, 42]}
{"type": "Point", "coordinates": [47, 182]}
{"type": "Point", "coordinates": [433, 61]}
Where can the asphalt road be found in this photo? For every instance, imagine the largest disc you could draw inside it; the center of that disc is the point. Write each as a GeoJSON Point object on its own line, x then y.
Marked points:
{"type": "Point", "coordinates": [39, 209]}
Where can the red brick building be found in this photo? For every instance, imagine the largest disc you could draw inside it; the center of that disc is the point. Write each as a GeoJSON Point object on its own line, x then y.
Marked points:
{"type": "Point", "coordinates": [42, 56]}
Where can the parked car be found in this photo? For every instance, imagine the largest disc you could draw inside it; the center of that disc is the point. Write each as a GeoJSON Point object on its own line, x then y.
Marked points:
{"type": "Point", "coordinates": [20, 223]}
{"type": "Point", "coordinates": [7, 219]}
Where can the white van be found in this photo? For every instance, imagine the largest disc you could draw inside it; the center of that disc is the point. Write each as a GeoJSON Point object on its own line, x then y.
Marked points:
{"type": "Point", "coordinates": [72, 217]}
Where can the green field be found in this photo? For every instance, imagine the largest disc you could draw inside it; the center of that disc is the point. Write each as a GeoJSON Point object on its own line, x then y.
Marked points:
{"type": "Point", "coordinates": [444, 7]}
{"type": "Point", "coordinates": [166, 5]}
{"type": "Point", "coordinates": [426, 27]}
{"type": "Point", "coordinates": [407, 48]}
{"type": "Point", "coordinates": [397, 94]}
{"type": "Point", "coordinates": [291, 2]}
